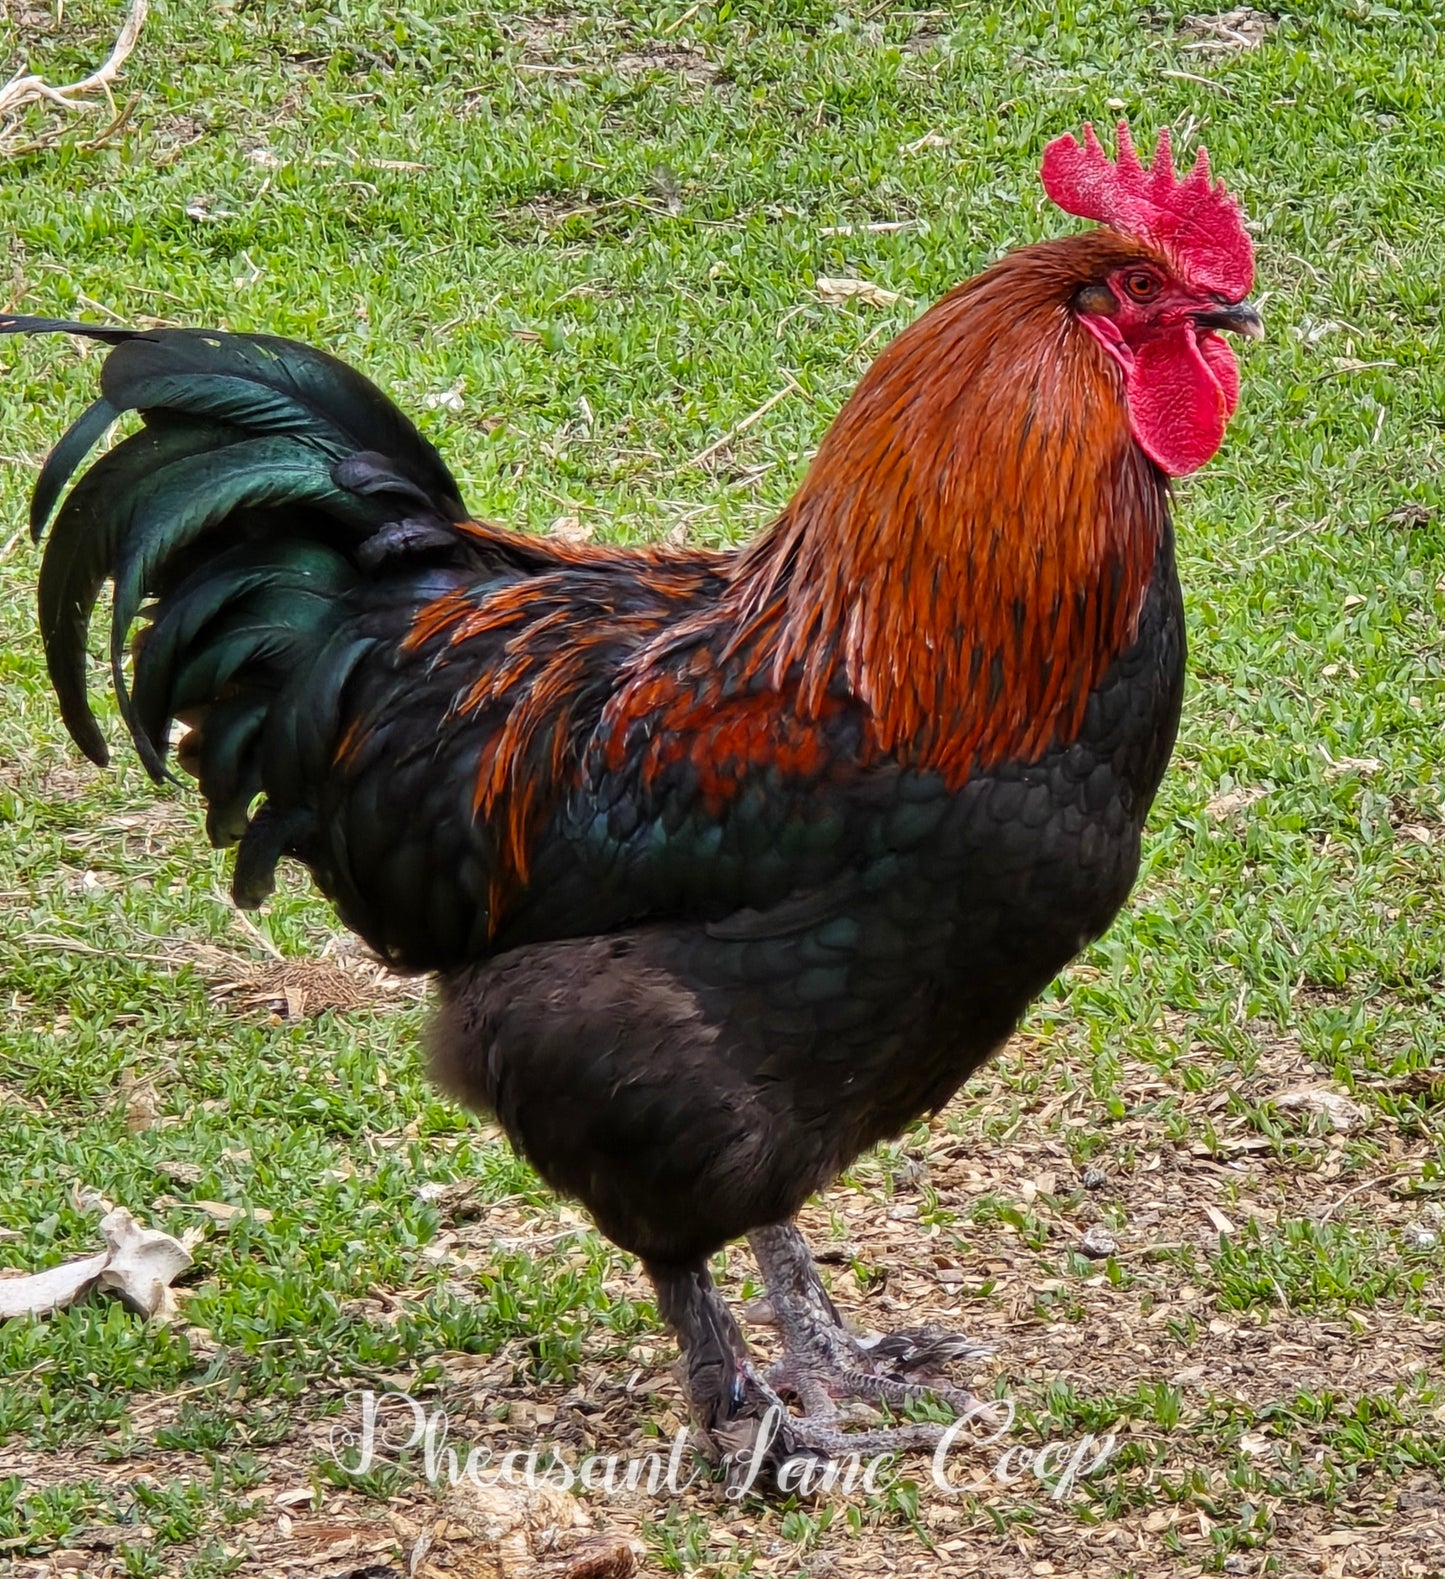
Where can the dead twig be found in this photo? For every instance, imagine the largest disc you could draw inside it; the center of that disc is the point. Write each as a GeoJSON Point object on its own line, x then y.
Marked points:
{"type": "Point", "coordinates": [26, 88]}
{"type": "Point", "coordinates": [703, 456]}
{"type": "Point", "coordinates": [1204, 82]}
{"type": "Point", "coordinates": [1369, 1184]}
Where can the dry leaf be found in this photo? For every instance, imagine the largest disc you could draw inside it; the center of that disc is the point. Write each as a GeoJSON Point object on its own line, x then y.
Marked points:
{"type": "Point", "coordinates": [526, 1532]}
{"type": "Point", "coordinates": [199, 208]}
{"type": "Point", "coordinates": [446, 399]}
{"type": "Point", "coordinates": [84, 1199]}
{"type": "Point", "coordinates": [139, 1099]}
{"type": "Point", "coordinates": [571, 529]}
{"type": "Point", "coordinates": [1342, 1113]}
{"type": "Point", "coordinates": [1364, 766]}
{"type": "Point", "coordinates": [1242, 28]}
{"type": "Point", "coordinates": [138, 1265]}
{"type": "Point", "coordinates": [839, 292]}
{"type": "Point", "coordinates": [460, 1201]}
{"type": "Point", "coordinates": [224, 1212]}
{"type": "Point", "coordinates": [1221, 1223]}
{"type": "Point", "coordinates": [1231, 801]}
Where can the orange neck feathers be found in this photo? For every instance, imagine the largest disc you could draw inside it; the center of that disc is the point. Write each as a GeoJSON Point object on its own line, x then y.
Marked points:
{"type": "Point", "coordinates": [972, 543]}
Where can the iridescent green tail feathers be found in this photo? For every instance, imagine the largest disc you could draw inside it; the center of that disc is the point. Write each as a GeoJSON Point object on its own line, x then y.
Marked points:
{"type": "Point", "coordinates": [265, 481]}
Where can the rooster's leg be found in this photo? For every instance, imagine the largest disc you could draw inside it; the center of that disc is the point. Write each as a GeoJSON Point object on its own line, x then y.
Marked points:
{"type": "Point", "coordinates": [736, 1407]}
{"type": "Point", "coordinates": [822, 1360]}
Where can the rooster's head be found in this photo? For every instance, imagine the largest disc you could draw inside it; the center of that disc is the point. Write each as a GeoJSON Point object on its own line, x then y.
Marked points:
{"type": "Point", "coordinates": [1159, 306]}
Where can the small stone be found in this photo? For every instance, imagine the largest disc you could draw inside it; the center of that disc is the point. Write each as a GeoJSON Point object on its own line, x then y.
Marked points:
{"type": "Point", "coordinates": [910, 1172]}
{"type": "Point", "coordinates": [1095, 1178]}
{"type": "Point", "coordinates": [1098, 1243]}
{"type": "Point", "coordinates": [183, 1173]}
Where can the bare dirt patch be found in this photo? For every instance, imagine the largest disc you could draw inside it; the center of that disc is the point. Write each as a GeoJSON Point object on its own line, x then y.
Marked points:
{"type": "Point", "coordinates": [1226, 31]}
{"type": "Point", "coordinates": [669, 56]}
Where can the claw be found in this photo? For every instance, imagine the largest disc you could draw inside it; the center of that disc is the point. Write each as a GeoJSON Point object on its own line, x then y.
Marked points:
{"type": "Point", "coordinates": [743, 1420]}
{"type": "Point", "coordinates": [822, 1361]}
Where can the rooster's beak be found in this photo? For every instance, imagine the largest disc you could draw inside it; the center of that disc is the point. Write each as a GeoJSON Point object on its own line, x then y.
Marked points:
{"type": "Point", "coordinates": [1236, 317]}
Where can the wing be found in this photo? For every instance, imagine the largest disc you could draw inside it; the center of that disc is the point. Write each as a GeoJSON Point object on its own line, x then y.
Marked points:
{"type": "Point", "coordinates": [462, 733]}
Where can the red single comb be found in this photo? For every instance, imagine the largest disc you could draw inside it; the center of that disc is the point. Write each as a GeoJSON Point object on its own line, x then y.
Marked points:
{"type": "Point", "coordinates": [1194, 223]}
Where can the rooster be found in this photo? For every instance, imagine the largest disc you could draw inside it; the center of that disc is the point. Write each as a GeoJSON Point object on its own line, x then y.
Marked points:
{"type": "Point", "coordinates": [727, 865]}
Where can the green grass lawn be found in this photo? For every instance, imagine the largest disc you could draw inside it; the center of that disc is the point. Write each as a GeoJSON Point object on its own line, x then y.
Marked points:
{"type": "Point", "coordinates": [580, 243]}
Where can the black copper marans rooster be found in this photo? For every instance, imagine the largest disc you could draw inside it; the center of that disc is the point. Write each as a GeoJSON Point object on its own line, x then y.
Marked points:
{"type": "Point", "coordinates": [728, 865]}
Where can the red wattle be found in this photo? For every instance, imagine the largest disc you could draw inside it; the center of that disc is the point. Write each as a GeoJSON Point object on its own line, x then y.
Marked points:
{"type": "Point", "coordinates": [1219, 354]}
{"type": "Point", "coordinates": [1181, 395]}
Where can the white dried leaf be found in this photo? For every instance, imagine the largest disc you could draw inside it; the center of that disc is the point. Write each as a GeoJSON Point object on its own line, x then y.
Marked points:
{"type": "Point", "coordinates": [138, 1265]}
{"type": "Point", "coordinates": [1312, 331]}
{"type": "Point", "coordinates": [84, 1199]}
{"type": "Point", "coordinates": [446, 399]}
{"type": "Point", "coordinates": [199, 208]}
{"type": "Point", "coordinates": [1222, 1224]}
{"type": "Point", "coordinates": [838, 292]}
{"type": "Point", "coordinates": [1342, 1113]}
{"type": "Point", "coordinates": [1335, 766]}
{"type": "Point", "coordinates": [143, 1264]}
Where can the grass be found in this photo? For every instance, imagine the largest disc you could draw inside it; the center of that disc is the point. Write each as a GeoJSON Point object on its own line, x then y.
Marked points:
{"type": "Point", "coordinates": [580, 241]}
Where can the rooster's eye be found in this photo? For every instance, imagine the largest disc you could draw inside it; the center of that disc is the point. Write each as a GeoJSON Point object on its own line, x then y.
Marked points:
{"type": "Point", "coordinates": [1141, 285]}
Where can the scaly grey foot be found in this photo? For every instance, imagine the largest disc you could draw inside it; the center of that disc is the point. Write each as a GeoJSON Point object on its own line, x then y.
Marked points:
{"type": "Point", "coordinates": [823, 1362]}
